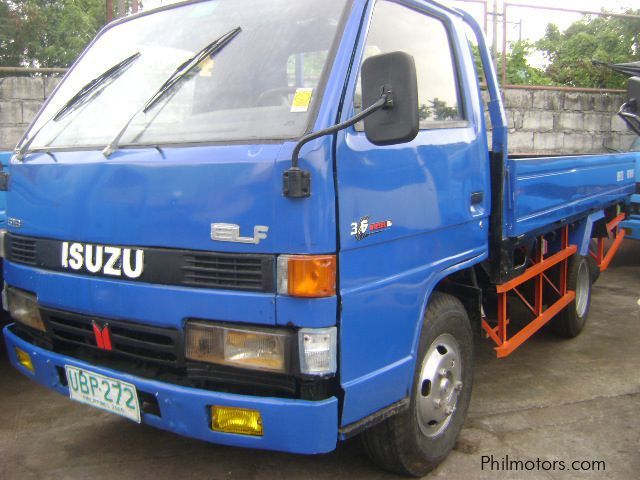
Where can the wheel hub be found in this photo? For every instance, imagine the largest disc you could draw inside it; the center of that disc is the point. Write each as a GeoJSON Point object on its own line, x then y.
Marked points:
{"type": "Point", "coordinates": [440, 385]}
{"type": "Point", "coordinates": [583, 285]}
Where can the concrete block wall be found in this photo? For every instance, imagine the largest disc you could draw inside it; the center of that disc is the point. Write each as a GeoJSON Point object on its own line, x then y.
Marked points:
{"type": "Point", "coordinates": [562, 122]}
{"type": "Point", "coordinates": [20, 100]}
{"type": "Point", "coordinates": [540, 121]}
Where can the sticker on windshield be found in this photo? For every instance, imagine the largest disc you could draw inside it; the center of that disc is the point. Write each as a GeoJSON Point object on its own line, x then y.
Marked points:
{"type": "Point", "coordinates": [302, 100]}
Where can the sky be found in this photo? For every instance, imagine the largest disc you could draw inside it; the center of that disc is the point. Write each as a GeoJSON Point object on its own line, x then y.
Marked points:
{"type": "Point", "coordinates": [578, 4]}
{"type": "Point", "coordinates": [533, 20]}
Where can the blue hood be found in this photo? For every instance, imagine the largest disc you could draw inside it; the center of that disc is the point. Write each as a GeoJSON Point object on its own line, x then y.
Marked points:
{"type": "Point", "coordinates": [145, 197]}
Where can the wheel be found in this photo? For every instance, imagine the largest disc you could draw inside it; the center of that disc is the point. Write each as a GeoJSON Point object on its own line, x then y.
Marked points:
{"type": "Point", "coordinates": [595, 269]}
{"type": "Point", "coordinates": [415, 441]}
{"type": "Point", "coordinates": [571, 321]}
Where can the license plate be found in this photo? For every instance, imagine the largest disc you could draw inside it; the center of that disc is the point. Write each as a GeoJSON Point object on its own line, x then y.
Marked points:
{"type": "Point", "coordinates": [103, 392]}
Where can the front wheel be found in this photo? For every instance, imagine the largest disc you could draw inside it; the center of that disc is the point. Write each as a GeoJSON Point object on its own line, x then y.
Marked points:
{"type": "Point", "coordinates": [415, 441]}
{"type": "Point", "coordinates": [571, 321]}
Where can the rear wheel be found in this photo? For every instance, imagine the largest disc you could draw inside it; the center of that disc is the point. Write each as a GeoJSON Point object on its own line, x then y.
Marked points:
{"type": "Point", "coordinates": [595, 269]}
{"type": "Point", "coordinates": [415, 441]}
{"type": "Point", "coordinates": [571, 321]}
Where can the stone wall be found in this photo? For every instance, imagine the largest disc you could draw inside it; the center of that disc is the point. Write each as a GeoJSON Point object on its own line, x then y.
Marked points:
{"type": "Point", "coordinates": [540, 121]}
{"type": "Point", "coordinates": [20, 100]}
{"type": "Point", "coordinates": [561, 122]}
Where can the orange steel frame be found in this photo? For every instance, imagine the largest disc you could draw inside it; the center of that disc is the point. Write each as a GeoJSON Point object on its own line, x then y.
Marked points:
{"type": "Point", "coordinates": [537, 276]}
{"type": "Point", "coordinates": [604, 259]}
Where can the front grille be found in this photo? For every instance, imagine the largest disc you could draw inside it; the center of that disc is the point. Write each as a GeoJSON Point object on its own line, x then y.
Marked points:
{"type": "Point", "coordinates": [161, 346]}
{"type": "Point", "coordinates": [157, 353]}
{"type": "Point", "coordinates": [22, 250]}
{"type": "Point", "coordinates": [215, 271]}
{"type": "Point", "coordinates": [197, 269]}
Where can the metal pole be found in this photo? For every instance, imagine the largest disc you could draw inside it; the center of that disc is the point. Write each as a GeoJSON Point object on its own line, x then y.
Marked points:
{"type": "Point", "coordinates": [494, 43]}
{"type": "Point", "coordinates": [520, 33]}
{"type": "Point", "coordinates": [504, 44]}
{"type": "Point", "coordinates": [585, 12]}
{"type": "Point", "coordinates": [485, 8]}
{"type": "Point", "coordinates": [21, 70]}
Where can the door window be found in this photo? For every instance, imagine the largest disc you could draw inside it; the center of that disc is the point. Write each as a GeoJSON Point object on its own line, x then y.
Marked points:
{"type": "Point", "coordinates": [398, 28]}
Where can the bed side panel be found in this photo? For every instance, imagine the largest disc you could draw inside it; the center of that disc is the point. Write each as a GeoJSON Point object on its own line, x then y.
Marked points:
{"type": "Point", "coordinates": [543, 191]}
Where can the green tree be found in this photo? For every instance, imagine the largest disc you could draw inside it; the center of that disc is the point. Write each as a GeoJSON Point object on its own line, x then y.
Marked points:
{"type": "Point", "coordinates": [47, 33]}
{"type": "Point", "coordinates": [607, 39]}
{"type": "Point", "coordinates": [519, 71]}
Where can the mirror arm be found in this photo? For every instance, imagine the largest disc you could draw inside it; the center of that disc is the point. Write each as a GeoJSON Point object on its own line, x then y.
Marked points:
{"type": "Point", "coordinates": [297, 182]}
{"type": "Point", "coordinates": [631, 119]}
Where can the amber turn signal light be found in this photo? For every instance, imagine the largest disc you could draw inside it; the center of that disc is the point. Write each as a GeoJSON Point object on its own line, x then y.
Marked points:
{"type": "Point", "coordinates": [309, 276]}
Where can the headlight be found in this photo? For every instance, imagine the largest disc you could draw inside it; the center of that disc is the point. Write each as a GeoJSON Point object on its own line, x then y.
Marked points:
{"type": "Point", "coordinates": [266, 349]}
{"type": "Point", "coordinates": [255, 348]}
{"type": "Point", "coordinates": [3, 250]}
{"type": "Point", "coordinates": [23, 308]}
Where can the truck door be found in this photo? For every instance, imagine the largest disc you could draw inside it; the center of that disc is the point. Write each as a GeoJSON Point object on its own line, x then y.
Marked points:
{"type": "Point", "coordinates": [406, 212]}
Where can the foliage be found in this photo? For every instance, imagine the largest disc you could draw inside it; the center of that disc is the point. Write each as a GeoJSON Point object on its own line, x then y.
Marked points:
{"type": "Point", "coordinates": [519, 71]}
{"type": "Point", "coordinates": [569, 54]}
{"type": "Point", "coordinates": [47, 33]}
{"type": "Point", "coordinates": [437, 110]}
{"type": "Point", "coordinates": [606, 39]}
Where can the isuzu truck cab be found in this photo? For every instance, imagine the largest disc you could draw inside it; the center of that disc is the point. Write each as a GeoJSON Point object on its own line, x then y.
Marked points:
{"type": "Point", "coordinates": [276, 224]}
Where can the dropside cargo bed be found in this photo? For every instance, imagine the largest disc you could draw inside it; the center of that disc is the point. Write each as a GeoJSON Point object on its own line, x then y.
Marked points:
{"type": "Point", "coordinates": [545, 191]}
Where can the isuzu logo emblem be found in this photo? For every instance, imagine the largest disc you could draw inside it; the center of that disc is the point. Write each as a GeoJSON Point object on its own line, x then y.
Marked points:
{"type": "Point", "coordinates": [103, 336]}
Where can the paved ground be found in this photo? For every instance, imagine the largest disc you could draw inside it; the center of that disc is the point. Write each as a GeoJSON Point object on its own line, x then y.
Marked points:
{"type": "Point", "coordinates": [553, 400]}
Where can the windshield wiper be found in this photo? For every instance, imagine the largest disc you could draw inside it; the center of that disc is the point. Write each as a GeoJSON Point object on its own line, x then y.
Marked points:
{"type": "Point", "coordinates": [92, 86]}
{"type": "Point", "coordinates": [80, 98]}
{"type": "Point", "coordinates": [174, 79]}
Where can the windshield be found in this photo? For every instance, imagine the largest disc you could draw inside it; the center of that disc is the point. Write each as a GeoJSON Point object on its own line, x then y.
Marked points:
{"type": "Point", "coordinates": [261, 86]}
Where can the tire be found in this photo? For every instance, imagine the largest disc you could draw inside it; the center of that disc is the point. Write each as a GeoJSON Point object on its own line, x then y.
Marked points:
{"type": "Point", "coordinates": [408, 443]}
{"type": "Point", "coordinates": [595, 269]}
{"type": "Point", "coordinates": [571, 321]}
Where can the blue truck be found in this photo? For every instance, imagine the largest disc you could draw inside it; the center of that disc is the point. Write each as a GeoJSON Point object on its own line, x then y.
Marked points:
{"type": "Point", "coordinates": [4, 164]}
{"type": "Point", "coordinates": [276, 225]}
{"type": "Point", "coordinates": [632, 224]}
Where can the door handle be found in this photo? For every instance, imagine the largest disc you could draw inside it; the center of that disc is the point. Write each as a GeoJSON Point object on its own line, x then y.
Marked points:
{"type": "Point", "coordinates": [477, 197]}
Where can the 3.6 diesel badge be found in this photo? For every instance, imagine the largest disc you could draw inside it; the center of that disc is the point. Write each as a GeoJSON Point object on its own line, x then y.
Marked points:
{"type": "Point", "coordinates": [112, 261]}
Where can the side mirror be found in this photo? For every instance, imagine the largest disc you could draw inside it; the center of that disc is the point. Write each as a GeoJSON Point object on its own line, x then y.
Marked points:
{"type": "Point", "coordinates": [630, 111]}
{"type": "Point", "coordinates": [390, 91]}
{"type": "Point", "coordinates": [633, 95]}
{"type": "Point", "coordinates": [395, 74]}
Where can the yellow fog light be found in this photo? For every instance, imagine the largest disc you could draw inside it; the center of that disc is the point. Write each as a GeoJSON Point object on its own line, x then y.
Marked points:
{"type": "Point", "coordinates": [24, 359]}
{"type": "Point", "coordinates": [236, 420]}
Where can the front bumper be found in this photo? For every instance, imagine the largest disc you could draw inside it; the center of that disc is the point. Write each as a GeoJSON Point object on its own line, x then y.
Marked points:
{"type": "Point", "coordinates": [295, 426]}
